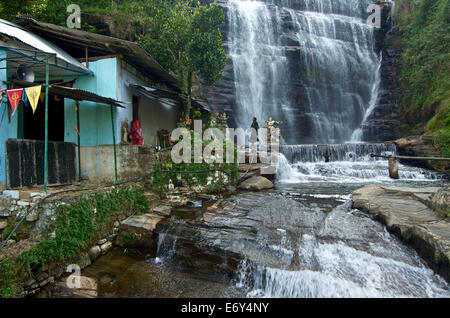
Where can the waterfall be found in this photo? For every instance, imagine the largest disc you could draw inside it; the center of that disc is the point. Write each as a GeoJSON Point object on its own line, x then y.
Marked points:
{"type": "Point", "coordinates": [308, 63]}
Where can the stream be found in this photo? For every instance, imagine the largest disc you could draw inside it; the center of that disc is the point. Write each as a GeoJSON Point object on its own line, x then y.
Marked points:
{"type": "Point", "coordinates": [301, 239]}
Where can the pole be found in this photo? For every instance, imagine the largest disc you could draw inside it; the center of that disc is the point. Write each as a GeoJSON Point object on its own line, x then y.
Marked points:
{"type": "Point", "coordinates": [46, 124]}
{"type": "Point", "coordinates": [114, 141]}
{"type": "Point", "coordinates": [77, 107]}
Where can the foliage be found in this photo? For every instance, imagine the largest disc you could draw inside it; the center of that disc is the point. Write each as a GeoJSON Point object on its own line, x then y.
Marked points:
{"type": "Point", "coordinates": [193, 179]}
{"type": "Point", "coordinates": [77, 226]}
{"type": "Point", "coordinates": [426, 66]}
{"type": "Point", "coordinates": [182, 35]}
{"type": "Point", "coordinates": [189, 42]}
{"type": "Point", "coordinates": [7, 284]}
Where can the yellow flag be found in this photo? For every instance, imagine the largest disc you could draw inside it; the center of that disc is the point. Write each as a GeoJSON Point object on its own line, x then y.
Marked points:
{"type": "Point", "coordinates": [33, 94]}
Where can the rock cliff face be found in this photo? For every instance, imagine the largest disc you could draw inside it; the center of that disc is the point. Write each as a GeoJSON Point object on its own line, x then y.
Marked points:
{"type": "Point", "coordinates": [384, 121]}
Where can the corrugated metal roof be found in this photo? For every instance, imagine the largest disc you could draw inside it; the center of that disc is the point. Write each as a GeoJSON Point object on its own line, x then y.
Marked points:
{"type": "Point", "coordinates": [35, 41]}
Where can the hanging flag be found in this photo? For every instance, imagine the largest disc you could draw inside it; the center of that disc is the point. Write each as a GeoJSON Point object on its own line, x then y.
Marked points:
{"type": "Point", "coordinates": [15, 96]}
{"type": "Point", "coordinates": [24, 97]}
{"type": "Point", "coordinates": [42, 98]}
{"type": "Point", "coordinates": [33, 94]}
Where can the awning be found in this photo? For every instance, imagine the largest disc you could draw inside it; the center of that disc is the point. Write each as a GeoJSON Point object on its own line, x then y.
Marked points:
{"type": "Point", "coordinates": [73, 93]}
{"type": "Point", "coordinates": [26, 48]}
{"type": "Point", "coordinates": [171, 98]}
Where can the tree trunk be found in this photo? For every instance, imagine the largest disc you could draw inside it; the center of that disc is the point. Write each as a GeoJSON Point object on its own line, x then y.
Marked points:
{"type": "Point", "coordinates": [189, 94]}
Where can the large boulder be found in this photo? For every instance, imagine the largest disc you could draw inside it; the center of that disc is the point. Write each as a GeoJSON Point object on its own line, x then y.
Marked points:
{"type": "Point", "coordinates": [408, 213]}
{"type": "Point", "coordinates": [256, 184]}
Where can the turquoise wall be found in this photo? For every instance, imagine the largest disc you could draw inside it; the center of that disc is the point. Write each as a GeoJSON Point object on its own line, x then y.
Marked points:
{"type": "Point", "coordinates": [4, 127]}
{"type": "Point", "coordinates": [95, 119]}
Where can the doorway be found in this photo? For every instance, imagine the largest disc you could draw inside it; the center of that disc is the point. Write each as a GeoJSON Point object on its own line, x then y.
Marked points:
{"type": "Point", "coordinates": [34, 124]}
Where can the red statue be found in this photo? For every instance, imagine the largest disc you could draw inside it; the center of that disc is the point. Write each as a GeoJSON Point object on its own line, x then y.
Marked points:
{"type": "Point", "coordinates": [136, 133]}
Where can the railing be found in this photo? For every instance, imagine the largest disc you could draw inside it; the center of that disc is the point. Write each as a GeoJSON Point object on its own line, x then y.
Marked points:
{"type": "Point", "coordinates": [394, 161]}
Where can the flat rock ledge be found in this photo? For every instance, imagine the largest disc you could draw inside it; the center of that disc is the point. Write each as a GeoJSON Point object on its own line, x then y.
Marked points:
{"type": "Point", "coordinates": [411, 214]}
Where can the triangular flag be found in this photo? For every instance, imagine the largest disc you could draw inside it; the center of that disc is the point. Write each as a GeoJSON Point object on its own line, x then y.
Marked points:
{"type": "Point", "coordinates": [33, 94]}
{"type": "Point", "coordinates": [42, 97]}
{"type": "Point", "coordinates": [15, 96]}
{"type": "Point", "coordinates": [24, 97]}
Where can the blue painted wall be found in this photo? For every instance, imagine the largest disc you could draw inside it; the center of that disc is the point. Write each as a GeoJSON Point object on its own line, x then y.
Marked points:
{"type": "Point", "coordinates": [4, 127]}
{"type": "Point", "coordinates": [95, 119]}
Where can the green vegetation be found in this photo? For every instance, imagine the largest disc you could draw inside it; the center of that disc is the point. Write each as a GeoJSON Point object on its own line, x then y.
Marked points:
{"type": "Point", "coordinates": [221, 173]}
{"type": "Point", "coordinates": [78, 225]}
{"type": "Point", "coordinates": [182, 35]}
{"type": "Point", "coordinates": [7, 283]}
{"type": "Point", "coordinates": [426, 67]}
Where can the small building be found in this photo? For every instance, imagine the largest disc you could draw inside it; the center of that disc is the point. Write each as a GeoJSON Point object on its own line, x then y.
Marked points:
{"type": "Point", "coordinates": [97, 83]}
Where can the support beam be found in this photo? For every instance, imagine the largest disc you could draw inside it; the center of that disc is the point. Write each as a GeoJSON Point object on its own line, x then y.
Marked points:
{"type": "Point", "coordinates": [393, 168]}
{"type": "Point", "coordinates": [114, 141]}
{"type": "Point", "coordinates": [47, 80]}
{"type": "Point", "coordinates": [77, 107]}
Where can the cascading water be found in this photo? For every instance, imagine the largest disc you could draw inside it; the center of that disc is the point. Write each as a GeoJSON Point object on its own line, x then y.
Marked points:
{"type": "Point", "coordinates": [308, 63]}
{"type": "Point", "coordinates": [343, 163]}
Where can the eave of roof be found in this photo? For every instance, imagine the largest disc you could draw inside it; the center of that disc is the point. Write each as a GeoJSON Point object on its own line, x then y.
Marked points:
{"type": "Point", "coordinates": [132, 52]}
{"type": "Point", "coordinates": [164, 94]}
{"type": "Point", "coordinates": [74, 93]}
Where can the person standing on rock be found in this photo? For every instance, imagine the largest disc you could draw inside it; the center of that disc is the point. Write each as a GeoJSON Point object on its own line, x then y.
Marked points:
{"type": "Point", "coordinates": [254, 132]}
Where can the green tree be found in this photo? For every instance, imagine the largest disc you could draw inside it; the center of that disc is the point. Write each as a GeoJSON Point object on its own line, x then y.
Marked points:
{"type": "Point", "coordinates": [187, 40]}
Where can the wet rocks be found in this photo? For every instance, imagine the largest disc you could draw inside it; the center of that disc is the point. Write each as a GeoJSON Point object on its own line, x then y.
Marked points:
{"type": "Point", "coordinates": [139, 231]}
{"type": "Point", "coordinates": [94, 252]}
{"type": "Point", "coordinates": [256, 184]}
{"type": "Point", "coordinates": [163, 210]}
{"type": "Point", "coordinates": [105, 248]}
{"type": "Point", "coordinates": [408, 212]}
{"type": "Point", "coordinates": [87, 288]}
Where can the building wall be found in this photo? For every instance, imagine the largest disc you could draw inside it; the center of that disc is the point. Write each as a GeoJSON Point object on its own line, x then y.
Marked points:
{"type": "Point", "coordinates": [95, 119]}
{"type": "Point", "coordinates": [153, 115]}
{"type": "Point", "coordinates": [132, 161]}
{"type": "Point", "coordinates": [156, 116]}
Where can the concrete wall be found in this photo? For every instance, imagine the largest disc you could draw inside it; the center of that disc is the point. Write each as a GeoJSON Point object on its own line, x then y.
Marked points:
{"type": "Point", "coordinates": [98, 162]}
{"type": "Point", "coordinates": [153, 114]}
{"type": "Point", "coordinates": [95, 119]}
